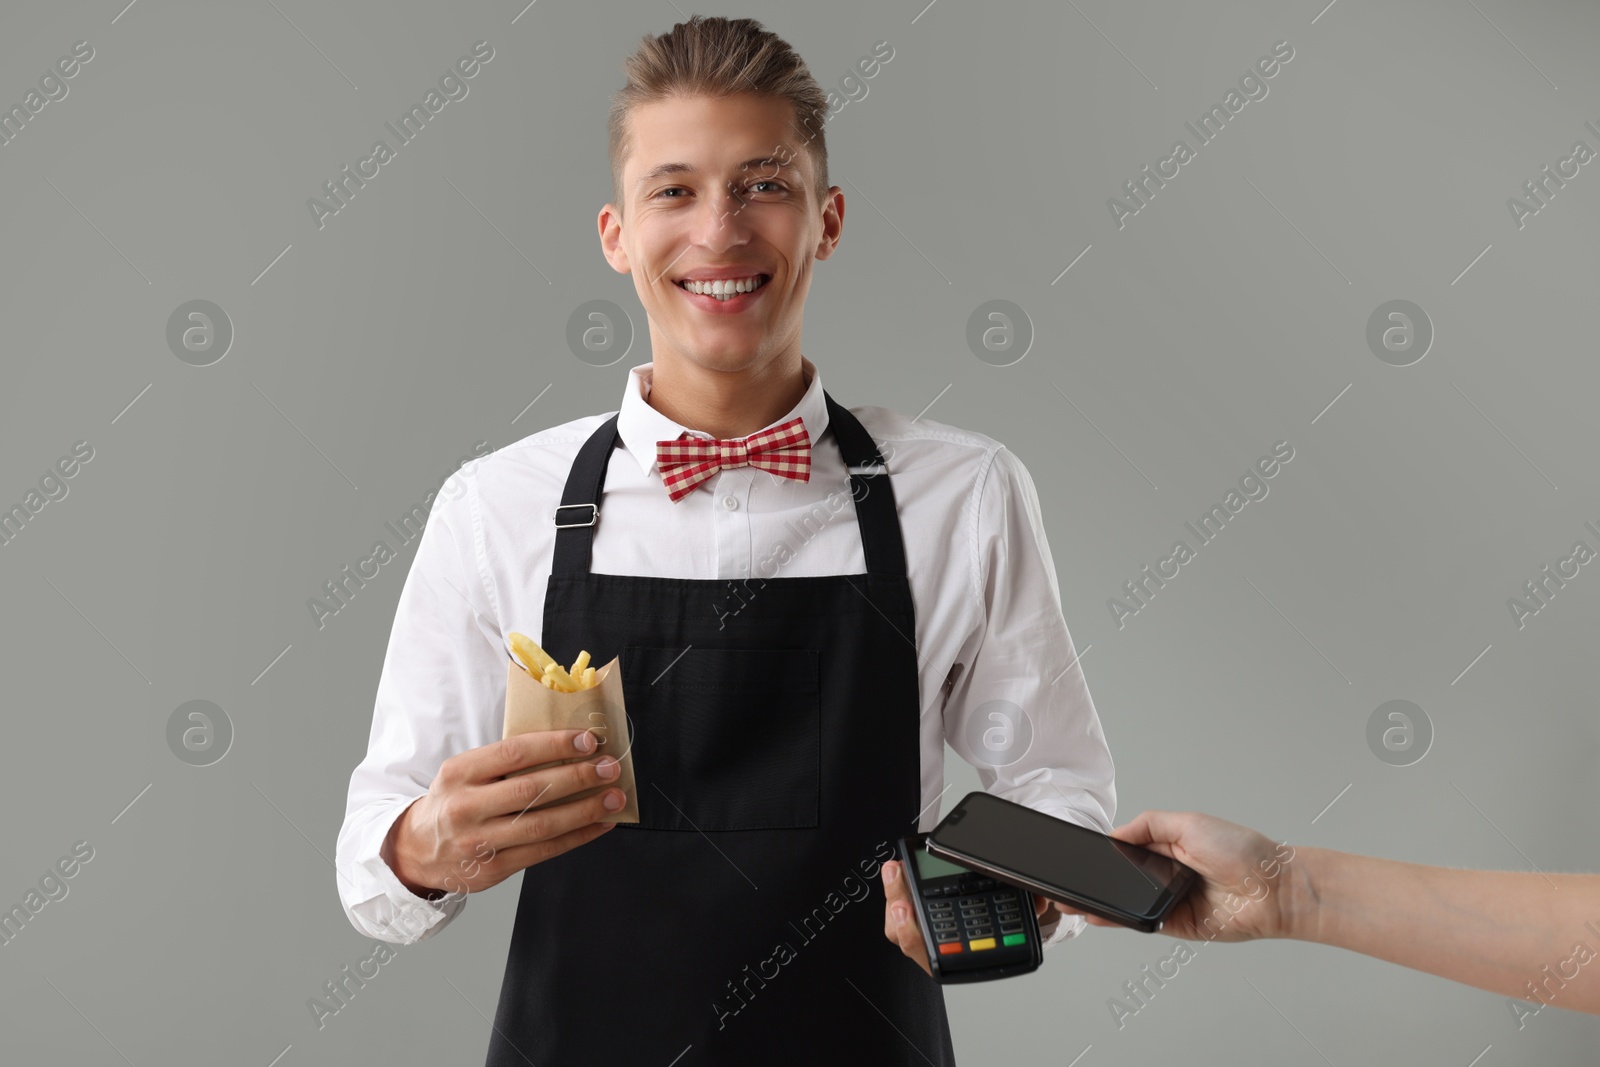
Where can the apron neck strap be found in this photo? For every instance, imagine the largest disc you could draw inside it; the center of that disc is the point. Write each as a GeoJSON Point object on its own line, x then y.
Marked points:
{"type": "Point", "coordinates": [876, 516]}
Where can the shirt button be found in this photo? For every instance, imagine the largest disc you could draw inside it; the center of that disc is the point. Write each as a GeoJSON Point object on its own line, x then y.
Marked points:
{"type": "Point", "coordinates": [730, 503]}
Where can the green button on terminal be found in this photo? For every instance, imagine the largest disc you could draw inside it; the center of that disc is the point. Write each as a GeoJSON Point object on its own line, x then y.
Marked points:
{"type": "Point", "coordinates": [1014, 939]}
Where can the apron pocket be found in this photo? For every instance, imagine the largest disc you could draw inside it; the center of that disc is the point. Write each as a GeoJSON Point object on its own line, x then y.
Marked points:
{"type": "Point", "coordinates": [724, 738]}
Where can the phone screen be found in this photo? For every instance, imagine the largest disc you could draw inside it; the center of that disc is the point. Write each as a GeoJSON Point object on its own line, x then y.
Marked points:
{"type": "Point", "coordinates": [1058, 853]}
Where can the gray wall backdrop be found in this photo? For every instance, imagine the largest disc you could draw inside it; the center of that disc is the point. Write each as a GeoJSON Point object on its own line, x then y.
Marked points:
{"type": "Point", "coordinates": [1234, 310]}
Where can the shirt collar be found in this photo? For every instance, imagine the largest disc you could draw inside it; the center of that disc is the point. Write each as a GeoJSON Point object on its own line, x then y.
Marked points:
{"type": "Point", "coordinates": [640, 426]}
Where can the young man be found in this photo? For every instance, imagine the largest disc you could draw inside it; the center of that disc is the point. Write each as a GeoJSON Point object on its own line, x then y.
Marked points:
{"type": "Point", "coordinates": [806, 611]}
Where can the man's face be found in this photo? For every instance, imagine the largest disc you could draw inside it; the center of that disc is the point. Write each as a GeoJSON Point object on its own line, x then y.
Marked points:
{"type": "Point", "coordinates": [720, 189]}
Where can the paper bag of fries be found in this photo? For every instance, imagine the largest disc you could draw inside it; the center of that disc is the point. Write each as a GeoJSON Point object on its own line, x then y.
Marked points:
{"type": "Point", "coordinates": [543, 695]}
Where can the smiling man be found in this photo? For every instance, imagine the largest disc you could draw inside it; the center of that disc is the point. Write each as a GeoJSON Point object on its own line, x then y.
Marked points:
{"type": "Point", "coordinates": [721, 250]}
{"type": "Point", "coordinates": [809, 601]}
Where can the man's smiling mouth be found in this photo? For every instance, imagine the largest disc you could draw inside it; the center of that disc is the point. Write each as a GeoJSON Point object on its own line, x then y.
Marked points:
{"type": "Point", "coordinates": [724, 289]}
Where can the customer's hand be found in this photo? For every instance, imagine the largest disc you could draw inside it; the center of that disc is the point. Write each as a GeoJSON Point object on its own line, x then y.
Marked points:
{"type": "Point", "coordinates": [1245, 877]}
{"type": "Point", "coordinates": [900, 923]}
{"type": "Point", "coordinates": [472, 829]}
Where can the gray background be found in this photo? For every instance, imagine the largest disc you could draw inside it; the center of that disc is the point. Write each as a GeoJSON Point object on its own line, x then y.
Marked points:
{"type": "Point", "coordinates": [376, 351]}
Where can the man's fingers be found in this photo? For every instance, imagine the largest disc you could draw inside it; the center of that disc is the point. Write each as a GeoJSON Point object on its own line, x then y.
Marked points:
{"type": "Point", "coordinates": [515, 753]}
{"type": "Point", "coordinates": [908, 935]}
{"type": "Point", "coordinates": [545, 824]}
{"type": "Point", "coordinates": [899, 918]}
{"type": "Point", "coordinates": [891, 884]}
{"type": "Point", "coordinates": [519, 793]}
{"type": "Point", "coordinates": [894, 890]}
{"type": "Point", "coordinates": [518, 857]}
{"type": "Point", "coordinates": [894, 883]}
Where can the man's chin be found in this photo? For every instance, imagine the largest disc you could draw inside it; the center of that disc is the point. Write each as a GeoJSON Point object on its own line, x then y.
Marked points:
{"type": "Point", "coordinates": [722, 357]}
{"type": "Point", "coordinates": [723, 347]}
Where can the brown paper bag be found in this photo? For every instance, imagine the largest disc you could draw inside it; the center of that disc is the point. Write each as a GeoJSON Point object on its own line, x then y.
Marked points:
{"type": "Point", "coordinates": [531, 705]}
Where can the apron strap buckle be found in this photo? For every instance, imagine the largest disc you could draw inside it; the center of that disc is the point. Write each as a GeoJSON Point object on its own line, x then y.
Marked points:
{"type": "Point", "coordinates": [594, 515]}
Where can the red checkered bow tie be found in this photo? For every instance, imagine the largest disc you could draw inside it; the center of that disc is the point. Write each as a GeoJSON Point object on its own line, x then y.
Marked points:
{"type": "Point", "coordinates": [784, 450]}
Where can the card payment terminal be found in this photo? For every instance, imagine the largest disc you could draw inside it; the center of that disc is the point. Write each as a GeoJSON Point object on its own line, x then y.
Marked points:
{"type": "Point", "coordinates": [974, 927]}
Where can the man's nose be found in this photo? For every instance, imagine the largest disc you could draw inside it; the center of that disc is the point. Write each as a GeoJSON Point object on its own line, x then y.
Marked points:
{"type": "Point", "coordinates": [721, 222]}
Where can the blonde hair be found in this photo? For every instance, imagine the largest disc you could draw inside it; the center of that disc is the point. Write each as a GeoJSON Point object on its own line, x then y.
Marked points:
{"type": "Point", "coordinates": [719, 57]}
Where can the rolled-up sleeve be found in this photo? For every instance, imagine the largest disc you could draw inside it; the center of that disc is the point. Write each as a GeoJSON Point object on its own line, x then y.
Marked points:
{"type": "Point", "coordinates": [1019, 708]}
{"type": "Point", "coordinates": [441, 691]}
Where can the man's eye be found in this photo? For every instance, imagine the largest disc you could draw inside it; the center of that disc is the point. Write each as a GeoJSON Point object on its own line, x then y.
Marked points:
{"type": "Point", "coordinates": [776, 187]}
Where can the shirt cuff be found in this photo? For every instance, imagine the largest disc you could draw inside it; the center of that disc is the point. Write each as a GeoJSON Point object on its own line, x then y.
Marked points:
{"type": "Point", "coordinates": [385, 908]}
{"type": "Point", "coordinates": [1069, 927]}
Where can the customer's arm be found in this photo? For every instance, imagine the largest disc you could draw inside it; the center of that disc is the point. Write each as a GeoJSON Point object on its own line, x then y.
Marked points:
{"type": "Point", "coordinates": [1533, 936]}
{"type": "Point", "coordinates": [1525, 935]}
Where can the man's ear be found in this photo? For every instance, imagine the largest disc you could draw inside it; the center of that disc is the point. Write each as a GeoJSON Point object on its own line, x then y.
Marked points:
{"type": "Point", "coordinates": [832, 222]}
{"type": "Point", "coordinates": [610, 223]}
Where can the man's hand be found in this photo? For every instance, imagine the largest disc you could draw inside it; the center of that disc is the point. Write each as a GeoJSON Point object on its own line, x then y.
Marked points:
{"type": "Point", "coordinates": [473, 828]}
{"type": "Point", "coordinates": [900, 916]}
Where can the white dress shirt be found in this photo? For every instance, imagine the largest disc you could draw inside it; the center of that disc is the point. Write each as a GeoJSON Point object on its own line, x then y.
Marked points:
{"type": "Point", "coordinates": [989, 625]}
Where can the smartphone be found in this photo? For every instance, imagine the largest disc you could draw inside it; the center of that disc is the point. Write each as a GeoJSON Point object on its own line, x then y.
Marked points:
{"type": "Point", "coordinates": [974, 927]}
{"type": "Point", "coordinates": [1086, 869]}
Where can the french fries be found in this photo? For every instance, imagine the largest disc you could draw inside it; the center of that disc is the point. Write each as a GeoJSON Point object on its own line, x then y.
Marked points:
{"type": "Point", "coordinates": [551, 674]}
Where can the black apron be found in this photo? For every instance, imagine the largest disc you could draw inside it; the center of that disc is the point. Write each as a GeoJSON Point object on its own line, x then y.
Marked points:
{"type": "Point", "coordinates": [777, 760]}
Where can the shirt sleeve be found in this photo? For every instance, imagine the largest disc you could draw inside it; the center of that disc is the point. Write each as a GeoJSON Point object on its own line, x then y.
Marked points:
{"type": "Point", "coordinates": [442, 688]}
{"type": "Point", "coordinates": [1018, 708]}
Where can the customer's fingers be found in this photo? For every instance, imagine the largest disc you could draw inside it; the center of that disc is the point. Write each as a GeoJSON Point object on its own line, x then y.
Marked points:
{"type": "Point", "coordinates": [1154, 830]}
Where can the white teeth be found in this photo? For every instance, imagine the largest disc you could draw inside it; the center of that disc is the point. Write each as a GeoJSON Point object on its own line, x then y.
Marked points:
{"type": "Point", "coordinates": [722, 289]}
